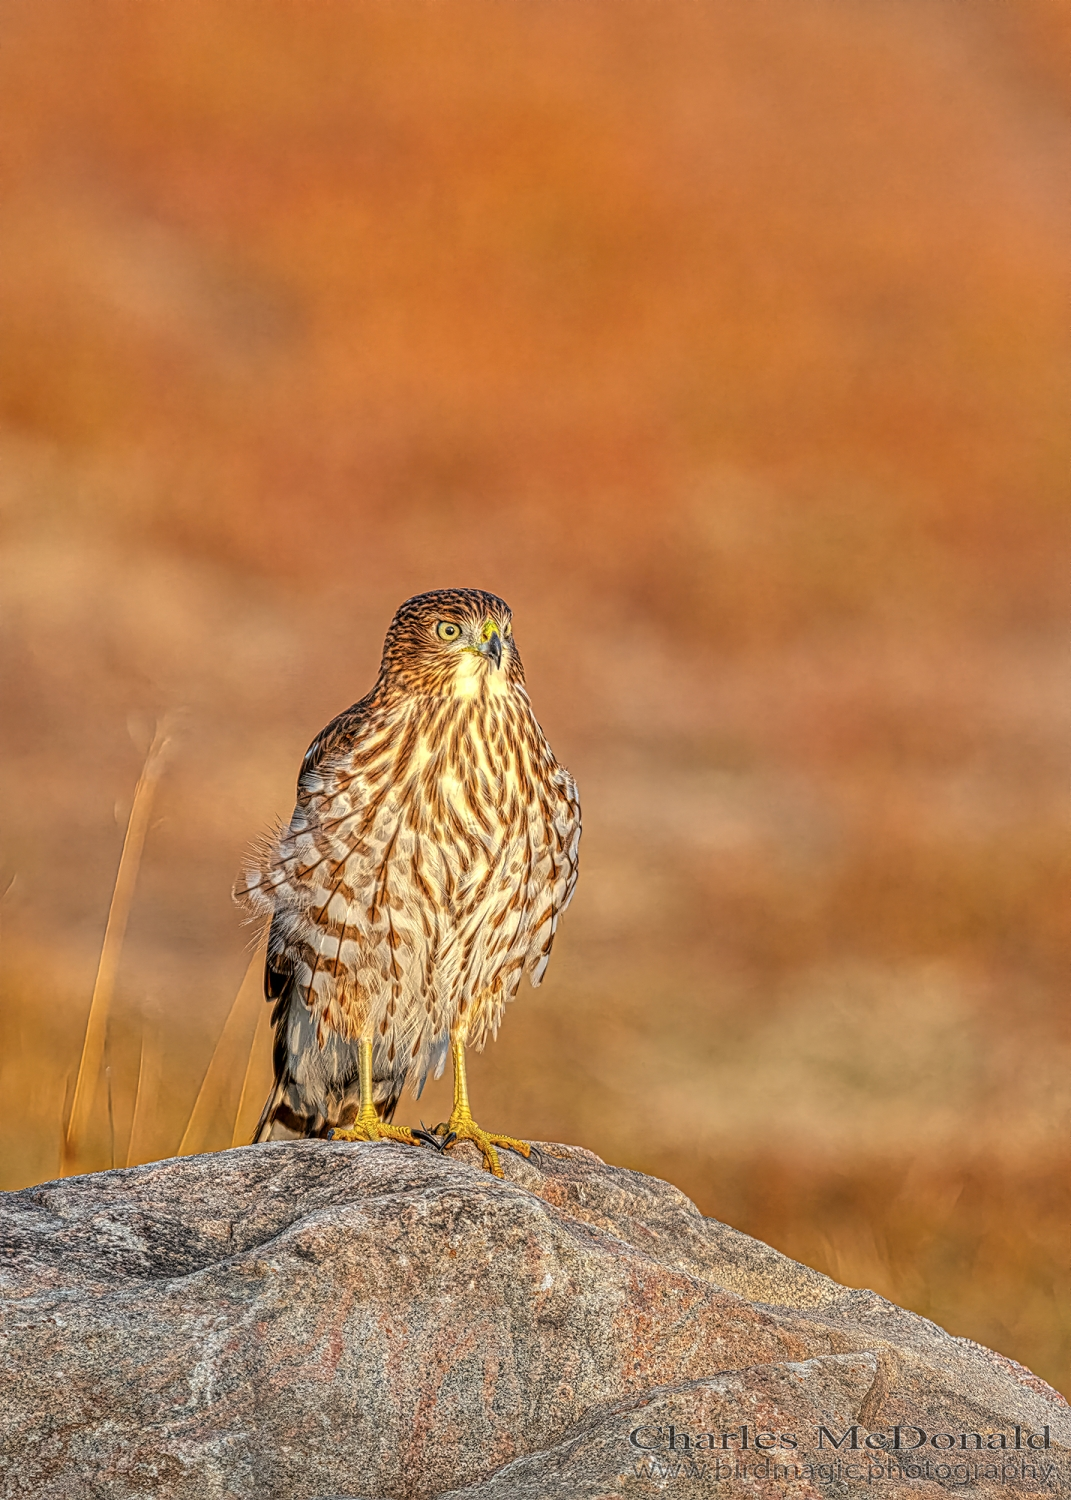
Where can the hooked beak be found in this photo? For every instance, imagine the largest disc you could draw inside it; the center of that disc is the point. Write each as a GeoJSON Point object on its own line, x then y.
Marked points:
{"type": "Point", "coordinates": [492, 647]}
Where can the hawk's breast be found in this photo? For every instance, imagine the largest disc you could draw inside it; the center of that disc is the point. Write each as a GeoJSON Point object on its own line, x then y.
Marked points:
{"type": "Point", "coordinates": [424, 870]}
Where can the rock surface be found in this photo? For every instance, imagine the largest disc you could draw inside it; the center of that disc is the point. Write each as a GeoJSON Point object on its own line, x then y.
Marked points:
{"type": "Point", "coordinates": [304, 1320]}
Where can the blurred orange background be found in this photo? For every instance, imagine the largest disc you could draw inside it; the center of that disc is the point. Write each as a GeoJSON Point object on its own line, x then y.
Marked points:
{"type": "Point", "coordinates": [728, 343]}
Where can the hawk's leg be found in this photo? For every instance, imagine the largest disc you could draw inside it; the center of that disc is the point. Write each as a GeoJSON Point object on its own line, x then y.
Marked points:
{"type": "Point", "coordinates": [368, 1126]}
{"type": "Point", "coordinates": [462, 1127]}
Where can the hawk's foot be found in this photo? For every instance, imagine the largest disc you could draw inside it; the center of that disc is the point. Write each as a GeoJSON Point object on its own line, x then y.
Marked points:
{"type": "Point", "coordinates": [462, 1127]}
{"type": "Point", "coordinates": [369, 1127]}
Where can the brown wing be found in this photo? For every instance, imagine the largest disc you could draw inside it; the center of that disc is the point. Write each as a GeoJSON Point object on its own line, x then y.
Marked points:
{"type": "Point", "coordinates": [563, 828]}
{"type": "Point", "coordinates": [299, 877]}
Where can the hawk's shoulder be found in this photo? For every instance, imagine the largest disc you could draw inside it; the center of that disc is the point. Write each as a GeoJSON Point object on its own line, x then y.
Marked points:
{"type": "Point", "coordinates": [338, 739]}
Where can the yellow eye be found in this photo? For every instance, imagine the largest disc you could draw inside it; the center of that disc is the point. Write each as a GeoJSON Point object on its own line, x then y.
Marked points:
{"type": "Point", "coordinates": [446, 630]}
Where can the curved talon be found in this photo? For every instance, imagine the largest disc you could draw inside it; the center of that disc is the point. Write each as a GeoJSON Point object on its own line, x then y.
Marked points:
{"type": "Point", "coordinates": [374, 1130]}
{"type": "Point", "coordinates": [431, 1137]}
{"type": "Point", "coordinates": [368, 1126]}
{"type": "Point", "coordinates": [487, 1140]}
{"type": "Point", "coordinates": [462, 1127]}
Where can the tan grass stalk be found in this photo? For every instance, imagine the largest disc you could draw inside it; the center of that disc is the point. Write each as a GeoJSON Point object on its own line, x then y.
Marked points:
{"type": "Point", "coordinates": [137, 1104]}
{"type": "Point", "coordinates": [111, 1115]}
{"type": "Point", "coordinates": [126, 876]}
{"type": "Point", "coordinates": [259, 1052]}
{"type": "Point", "coordinates": [231, 1049]}
{"type": "Point", "coordinates": [137, 1101]}
{"type": "Point", "coordinates": [145, 1095]}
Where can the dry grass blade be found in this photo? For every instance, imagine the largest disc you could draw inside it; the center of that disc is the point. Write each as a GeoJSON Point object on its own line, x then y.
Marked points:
{"type": "Point", "coordinates": [150, 1066]}
{"type": "Point", "coordinates": [111, 1116]}
{"type": "Point", "coordinates": [258, 1053]}
{"type": "Point", "coordinates": [137, 1103]}
{"type": "Point", "coordinates": [227, 1057]}
{"type": "Point", "coordinates": [89, 1064]}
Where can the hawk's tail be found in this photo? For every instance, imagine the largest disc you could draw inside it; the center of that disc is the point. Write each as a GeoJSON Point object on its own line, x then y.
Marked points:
{"type": "Point", "coordinates": [268, 1114]}
{"type": "Point", "coordinates": [279, 1121]}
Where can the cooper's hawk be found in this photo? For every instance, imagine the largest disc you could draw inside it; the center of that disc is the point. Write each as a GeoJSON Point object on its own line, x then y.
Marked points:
{"type": "Point", "coordinates": [431, 852]}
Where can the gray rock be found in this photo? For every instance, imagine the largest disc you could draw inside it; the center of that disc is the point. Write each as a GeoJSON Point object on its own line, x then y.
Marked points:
{"type": "Point", "coordinates": [309, 1320]}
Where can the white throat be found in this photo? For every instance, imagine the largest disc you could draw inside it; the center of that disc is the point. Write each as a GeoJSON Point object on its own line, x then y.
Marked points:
{"type": "Point", "coordinates": [476, 675]}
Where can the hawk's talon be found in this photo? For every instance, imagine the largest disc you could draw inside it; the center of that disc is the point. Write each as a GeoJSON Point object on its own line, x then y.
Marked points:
{"type": "Point", "coordinates": [431, 1138]}
{"type": "Point", "coordinates": [464, 1128]}
{"type": "Point", "coordinates": [374, 1130]}
{"type": "Point", "coordinates": [368, 1126]}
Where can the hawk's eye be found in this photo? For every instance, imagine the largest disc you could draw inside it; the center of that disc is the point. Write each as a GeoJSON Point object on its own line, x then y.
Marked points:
{"type": "Point", "coordinates": [446, 630]}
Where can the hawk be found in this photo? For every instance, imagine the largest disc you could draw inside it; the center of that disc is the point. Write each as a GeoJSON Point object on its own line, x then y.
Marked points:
{"type": "Point", "coordinates": [432, 850]}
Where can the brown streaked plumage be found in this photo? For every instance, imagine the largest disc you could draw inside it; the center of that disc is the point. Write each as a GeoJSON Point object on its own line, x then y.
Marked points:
{"type": "Point", "coordinates": [431, 852]}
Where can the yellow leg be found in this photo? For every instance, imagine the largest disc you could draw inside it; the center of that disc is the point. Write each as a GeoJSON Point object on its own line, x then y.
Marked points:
{"type": "Point", "coordinates": [464, 1128]}
{"type": "Point", "coordinates": [368, 1126]}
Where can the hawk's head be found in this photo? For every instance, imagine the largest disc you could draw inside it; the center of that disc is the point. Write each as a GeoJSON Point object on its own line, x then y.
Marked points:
{"type": "Point", "coordinates": [456, 641]}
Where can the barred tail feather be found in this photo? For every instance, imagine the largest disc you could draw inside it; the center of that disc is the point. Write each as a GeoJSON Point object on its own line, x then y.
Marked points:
{"type": "Point", "coordinates": [268, 1114]}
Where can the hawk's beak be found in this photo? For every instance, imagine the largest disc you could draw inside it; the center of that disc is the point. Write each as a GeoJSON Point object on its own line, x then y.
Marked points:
{"type": "Point", "coordinates": [492, 647]}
